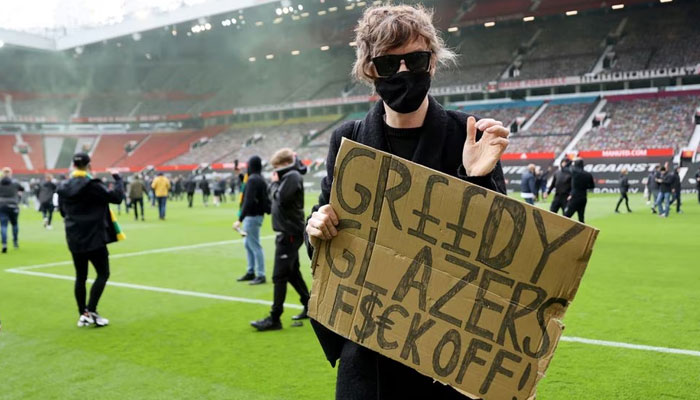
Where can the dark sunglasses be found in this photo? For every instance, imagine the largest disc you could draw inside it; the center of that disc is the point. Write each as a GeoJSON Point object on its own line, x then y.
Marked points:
{"type": "Point", "coordinates": [418, 61]}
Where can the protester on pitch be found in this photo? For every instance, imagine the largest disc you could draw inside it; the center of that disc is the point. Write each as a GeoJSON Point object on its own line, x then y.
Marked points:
{"type": "Point", "coordinates": [663, 199]}
{"type": "Point", "coordinates": [90, 226]}
{"type": "Point", "coordinates": [581, 183]}
{"type": "Point", "coordinates": [528, 185]}
{"type": "Point", "coordinates": [256, 204]}
{"type": "Point", "coordinates": [45, 197]}
{"type": "Point", "coordinates": [676, 189]}
{"type": "Point", "coordinates": [697, 184]}
{"type": "Point", "coordinates": [624, 188]}
{"type": "Point", "coordinates": [654, 177]}
{"type": "Point", "coordinates": [190, 187]}
{"type": "Point", "coordinates": [136, 190]}
{"type": "Point", "coordinates": [10, 194]}
{"type": "Point", "coordinates": [161, 188]}
{"type": "Point", "coordinates": [206, 191]}
{"type": "Point", "coordinates": [561, 183]}
{"type": "Point", "coordinates": [287, 193]}
{"type": "Point", "coordinates": [398, 51]}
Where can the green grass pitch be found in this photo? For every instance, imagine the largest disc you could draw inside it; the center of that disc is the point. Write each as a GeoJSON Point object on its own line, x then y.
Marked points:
{"type": "Point", "coordinates": [642, 287]}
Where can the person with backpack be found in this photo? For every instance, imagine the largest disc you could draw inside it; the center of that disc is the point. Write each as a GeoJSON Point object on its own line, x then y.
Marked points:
{"type": "Point", "coordinates": [255, 205]}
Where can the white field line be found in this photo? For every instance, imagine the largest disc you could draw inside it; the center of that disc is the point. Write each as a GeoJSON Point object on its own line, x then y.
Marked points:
{"type": "Point", "coordinates": [156, 289]}
{"type": "Point", "coordinates": [24, 271]}
{"type": "Point", "coordinates": [144, 252]}
{"type": "Point", "coordinates": [630, 346]}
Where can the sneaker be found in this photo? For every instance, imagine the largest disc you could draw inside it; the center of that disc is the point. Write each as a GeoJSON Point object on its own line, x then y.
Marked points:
{"type": "Point", "coordinates": [617, 212]}
{"type": "Point", "coordinates": [258, 281]}
{"type": "Point", "coordinates": [16, 245]}
{"type": "Point", "coordinates": [246, 277]}
{"type": "Point", "coordinates": [46, 222]}
{"type": "Point", "coordinates": [85, 320]}
{"type": "Point", "coordinates": [49, 227]}
{"type": "Point", "coordinates": [4, 249]}
{"type": "Point", "coordinates": [303, 315]}
{"type": "Point", "coordinates": [99, 321]}
{"type": "Point", "coordinates": [266, 324]}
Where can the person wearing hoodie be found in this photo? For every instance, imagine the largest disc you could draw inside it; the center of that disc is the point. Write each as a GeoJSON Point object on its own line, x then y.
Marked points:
{"type": "Point", "coordinates": [206, 191]}
{"type": "Point", "coordinates": [581, 182]}
{"type": "Point", "coordinates": [90, 226]}
{"type": "Point", "coordinates": [10, 192]}
{"type": "Point", "coordinates": [45, 197]}
{"type": "Point", "coordinates": [676, 189]}
{"type": "Point", "coordinates": [561, 184]}
{"type": "Point", "coordinates": [288, 220]}
{"type": "Point", "coordinates": [254, 207]}
{"type": "Point", "coordinates": [190, 187]}
{"type": "Point", "coordinates": [624, 188]}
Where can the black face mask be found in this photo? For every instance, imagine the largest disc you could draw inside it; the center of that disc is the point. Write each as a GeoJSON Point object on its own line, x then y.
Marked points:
{"type": "Point", "coordinates": [405, 91]}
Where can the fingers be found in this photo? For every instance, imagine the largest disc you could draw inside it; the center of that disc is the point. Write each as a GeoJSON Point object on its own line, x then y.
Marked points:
{"type": "Point", "coordinates": [328, 210]}
{"type": "Point", "coordinates": [322, 224]}
{"type": "Point", "coordinates": [486, 123]}
{"type": "Point", "coordinates": [471, 130]}
{"type": "Point", "coordinates": [500, 142]}
{"type": "Point", "coordinates": [498, 130]}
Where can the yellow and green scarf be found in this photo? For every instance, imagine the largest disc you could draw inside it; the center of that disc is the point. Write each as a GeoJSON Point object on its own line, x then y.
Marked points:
{"type": "Point", "coordinates": [120, 234]}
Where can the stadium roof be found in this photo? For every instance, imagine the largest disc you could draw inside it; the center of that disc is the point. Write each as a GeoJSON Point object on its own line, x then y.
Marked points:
{"type": "Point", "coordinates": [63, 24]}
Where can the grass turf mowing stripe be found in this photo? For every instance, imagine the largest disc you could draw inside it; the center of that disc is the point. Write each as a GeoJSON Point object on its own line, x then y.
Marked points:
{"type": "Point", "coordinates": [268, 303]}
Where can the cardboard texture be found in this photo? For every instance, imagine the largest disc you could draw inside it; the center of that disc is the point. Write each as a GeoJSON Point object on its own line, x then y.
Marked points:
{"type": "Point", "coordinates": [463, 284]}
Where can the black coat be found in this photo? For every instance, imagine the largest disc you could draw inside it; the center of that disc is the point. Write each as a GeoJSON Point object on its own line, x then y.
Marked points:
{"type": "Point", "coordinates": [561, 182]}
{"type": "Point", "coordinates": [364, 374]}
{"type": "Point", "coordinates": [84, 205]}
{"type": "Point", "coordinates": [624, 184]}
{"type": "Point", "coordinates": [288, 202]}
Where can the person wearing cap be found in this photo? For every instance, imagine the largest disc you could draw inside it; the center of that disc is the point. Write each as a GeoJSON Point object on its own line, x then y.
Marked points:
{"type": "Point", "coordinates": [161, 187]}
{"type": "Point", "coordinates": [255, 205]}
{"type": "Point", "coordinates": [90, 226]}
{"type": "Point", "coordinates": [10, 192]}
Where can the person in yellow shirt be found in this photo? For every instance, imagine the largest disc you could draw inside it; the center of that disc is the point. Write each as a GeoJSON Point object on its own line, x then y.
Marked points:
{"type": "Point", "coordinates": [161, 187]}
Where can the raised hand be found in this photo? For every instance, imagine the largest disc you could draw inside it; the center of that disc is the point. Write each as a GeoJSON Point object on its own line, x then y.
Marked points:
{"type": "Point", "coordinates": [480, 158]}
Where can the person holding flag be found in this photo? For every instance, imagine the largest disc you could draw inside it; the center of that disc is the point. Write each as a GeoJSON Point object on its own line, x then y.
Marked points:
{"type": "Point", "coordinates": [90, 225]}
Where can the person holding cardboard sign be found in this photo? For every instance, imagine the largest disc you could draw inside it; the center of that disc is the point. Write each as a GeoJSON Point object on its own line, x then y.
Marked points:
{"type": "Point", "coordinates": [398, 52]}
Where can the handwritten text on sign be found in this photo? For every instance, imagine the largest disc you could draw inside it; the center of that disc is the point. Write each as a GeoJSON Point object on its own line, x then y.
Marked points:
{"type": "Point", "coordinates": [463, 284]}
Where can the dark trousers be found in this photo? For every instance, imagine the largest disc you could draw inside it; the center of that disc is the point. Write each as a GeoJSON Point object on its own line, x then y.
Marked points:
{"type": "Point", "coordinates": [136, 203]}
{"type": "Point", "coordinates": [576, 205]}
{"type": "Point", "coordinates": [559, 203]}
{"type": "Point", "coordinates": [623, 196]}
{"type": "Point", "coordinates": [162, 200]}
{"type": "Point", "coordinates": [47, 212]}
{"type": "Point", "coordinates": [100, 260]}
{"type": "Point", "coordinates": [287, 270]}
{"type": "Point", "coordinates": [9, 214]}
{"type": "Point", "coordinates": [190, 198]}
{"type": "Point", "coordinates": [677, 198]}
{"type": "Point", "coordinates": [205, 197]}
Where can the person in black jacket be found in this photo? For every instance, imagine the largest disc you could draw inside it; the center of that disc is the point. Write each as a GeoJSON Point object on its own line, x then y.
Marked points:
{"type": "Point", "coordinates": [624, 188]}
{"type": "Point", "coordinates": [190, 187]}
{"type": "Point", "coordinates": [10, 192]}
{"type": "Point", "coordinates": [90, 226]}
{"type": "Point", "coordinates": [697, 184]}
{"type": "Point", "coordinates": [255, 206]}
{"type": "Point", "coordinates": [45, 197]}
{"type": "Point", "coordinates": [653, 183]}
{"type": "Point", "coordinates": [287, 193]}
{"type": "Point", "coordinates": [528, 185]}
{"type": "Point", "coordinates": [581, 183]}
{"type": "Point", "coordinates": [676, 189]}
{"type": "Point", "coordinates": [410, 124]}
{"type": "Point", "coordinates": [561, 183]}
{"type": "Point", "coordinates": [206, 191]}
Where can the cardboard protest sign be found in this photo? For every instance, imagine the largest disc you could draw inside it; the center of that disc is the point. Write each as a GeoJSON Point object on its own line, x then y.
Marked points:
{"type": "Point", "coordinates": [463, 284]}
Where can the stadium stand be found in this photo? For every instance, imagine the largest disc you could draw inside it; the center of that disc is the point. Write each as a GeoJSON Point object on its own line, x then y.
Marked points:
{"type": "Point", "coordinates": [110, 148]}
{"type": "Point", "coordinates": [644, 121]}
{"type": "Point", "coordinates": [36, 150]}
{"type": "Point", "coordinates": [158, 148]}
{"type": "Point", "coordinates": [8, 155]}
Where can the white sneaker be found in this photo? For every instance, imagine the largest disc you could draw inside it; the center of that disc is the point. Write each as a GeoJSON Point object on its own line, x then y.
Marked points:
{"type": "Point", "coordinates": [99, 321]}
{"type": "Point", "coordinates": [85, 320]}
{"type": "Point", "coordinates": [49, 227]}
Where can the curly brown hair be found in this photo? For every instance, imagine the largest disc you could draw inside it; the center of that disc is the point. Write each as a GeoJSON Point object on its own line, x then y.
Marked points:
{"type": "Point", "coordinates": [383, 28]}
